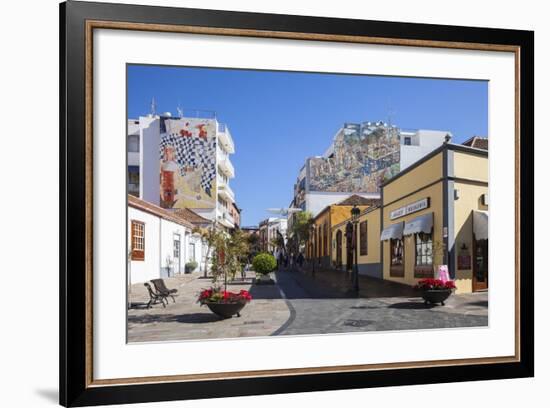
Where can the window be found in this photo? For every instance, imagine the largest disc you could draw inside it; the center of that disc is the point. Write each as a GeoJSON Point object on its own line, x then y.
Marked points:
{"type": "Point", "coordinates": [363, 243]}
{"type": "Point", "coordinates": [423, 262]}
{"type": "Point", "coordinates": [407, 141]}
{"type": "Point", "coordinates": [138, 241]}
{"type": "Point", "coordinates": [176, 247]}
{"type": "Point", "coordinates": [133, 143]}
{"type": "Point", "coordinates": [424, 246]}
{"type": "Point", "coordinates": [133, 180]}
{"type": "Point", "coordinates": [396, 258]}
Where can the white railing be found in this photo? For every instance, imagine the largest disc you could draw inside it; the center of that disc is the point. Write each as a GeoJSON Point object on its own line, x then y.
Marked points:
{"type": "Point", "coordinates": [224, 137]}
{"type": "Point", "coordinates": [225, 189]}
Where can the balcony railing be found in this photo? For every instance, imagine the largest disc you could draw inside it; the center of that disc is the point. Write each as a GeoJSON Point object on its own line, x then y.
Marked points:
{"type": "Point", "coordinates": [225, 139]}
{"type": "Point", "coordinates": [227, 167]}
{"type": "Point", "coordinates": [226, 191]}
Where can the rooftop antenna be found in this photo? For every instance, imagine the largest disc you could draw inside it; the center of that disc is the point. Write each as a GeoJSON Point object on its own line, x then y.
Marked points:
{"type": "Point", "coordinates": [391, 113]}
{"type": "Point", "coordinates": [153, 107]}
{"type": "Point", "coordinates": [180, 111]}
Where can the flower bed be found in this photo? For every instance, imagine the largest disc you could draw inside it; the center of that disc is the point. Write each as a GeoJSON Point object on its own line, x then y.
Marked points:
{"type": "Point", "coordinates": [435, 290]}
{"type": "Point", "coordinates": [223, 296]}
{"type": "Point", "coordinates": [224, 303]}
{"type": "Point", "coordinates": [437, 284]}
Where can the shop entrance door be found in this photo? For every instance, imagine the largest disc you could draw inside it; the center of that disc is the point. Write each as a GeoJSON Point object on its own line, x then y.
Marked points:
{"type": "Point", "coordinates": [481, 265]}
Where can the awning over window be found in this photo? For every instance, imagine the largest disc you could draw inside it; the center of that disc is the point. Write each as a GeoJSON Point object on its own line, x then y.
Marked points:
{"type": "Point", "coordinates": [422, 223]}
{"type": "Point", "coordinates": [481, 225]}
{"type": "Point", "coordinates": [394, 231]}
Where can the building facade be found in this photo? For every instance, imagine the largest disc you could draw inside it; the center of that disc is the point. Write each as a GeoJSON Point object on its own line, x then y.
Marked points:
{"type": "Point", "coordinates": [433, 213]}
{"type": "Point", "coordinates": [269, 230]}
{"type": "Point", "coordinates": [320, 246]}
{"type": "Point", "coordinates": [160, 242]}
{"type": "Point", "coordinates": [183, 162]}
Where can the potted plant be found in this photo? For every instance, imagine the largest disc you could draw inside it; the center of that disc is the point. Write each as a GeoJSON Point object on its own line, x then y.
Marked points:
{"type": "Point", "coordinates": [224, 303]}
{"type": "Point", "coordinates": [435, 290]}
{"type": "Point", "coordinates": [191, 266]}
{"type": "Point", "coordinates": [263, 265]}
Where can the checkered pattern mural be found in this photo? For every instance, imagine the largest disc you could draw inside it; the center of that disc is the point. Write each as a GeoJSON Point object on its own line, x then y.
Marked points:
{"type": "Point", "coordinates": [193, 152]}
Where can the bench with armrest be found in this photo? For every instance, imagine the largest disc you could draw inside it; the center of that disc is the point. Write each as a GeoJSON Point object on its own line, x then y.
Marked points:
{"type": "Point", "coordinates": [161, 288]}
{"type": "Point", "coordinates": [155, 296]}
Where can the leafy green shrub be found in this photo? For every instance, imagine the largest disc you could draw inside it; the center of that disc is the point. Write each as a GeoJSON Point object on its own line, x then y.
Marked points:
{"type": "Point", "coordinates": [264, 263]}
{"type": "Point", "coordinates": [191, 266]}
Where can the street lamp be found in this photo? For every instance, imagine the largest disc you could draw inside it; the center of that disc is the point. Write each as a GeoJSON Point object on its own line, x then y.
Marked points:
{"type": "Point", "coordinates": [355, 211]}
{"type": "Point", "coordinates": [312, 233]}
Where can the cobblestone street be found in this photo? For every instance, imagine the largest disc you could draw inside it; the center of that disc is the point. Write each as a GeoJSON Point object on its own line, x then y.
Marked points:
{"type": "Point", "coordinates": [296, 304]}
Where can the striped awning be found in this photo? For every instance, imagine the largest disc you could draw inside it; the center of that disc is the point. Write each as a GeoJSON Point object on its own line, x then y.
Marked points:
{"type": "Point", "coordinates": [481, 224]}
{"type": "Point", "coordinates": [393, 231]}
{"type": "Point", "coordinates": [422, 223]}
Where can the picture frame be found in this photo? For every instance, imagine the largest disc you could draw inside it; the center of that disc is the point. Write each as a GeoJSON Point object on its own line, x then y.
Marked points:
{"type": "Point", "coordinates": [78, 20]}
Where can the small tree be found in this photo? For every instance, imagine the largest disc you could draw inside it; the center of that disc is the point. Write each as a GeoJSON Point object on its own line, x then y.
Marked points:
{"type": "Point", "coordinates": [264, 263]}
{"type": "Point", "coordinates": [300, 228]}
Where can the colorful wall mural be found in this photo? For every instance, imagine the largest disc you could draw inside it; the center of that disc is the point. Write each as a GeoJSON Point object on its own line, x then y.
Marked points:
{"type": "Point", "coordinates": [188, 163]}
{"type": "Point", "coordinates": [363, 157]}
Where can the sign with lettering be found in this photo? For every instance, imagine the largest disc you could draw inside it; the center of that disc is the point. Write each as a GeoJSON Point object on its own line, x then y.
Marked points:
{"type": "Point", "coordinates": [410, 208]}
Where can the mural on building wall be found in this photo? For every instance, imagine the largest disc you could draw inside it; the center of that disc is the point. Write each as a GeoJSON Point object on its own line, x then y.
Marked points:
{"type": "Point", "coordinates": [364, 156]}
{"type": "Point", "coordinates": [188, 163]}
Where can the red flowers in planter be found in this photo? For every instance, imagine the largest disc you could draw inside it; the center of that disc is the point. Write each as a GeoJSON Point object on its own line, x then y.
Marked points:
{"type": "Point", "coordinates": [430, 283]}
{"type": "Point", "coordinates": [223, 296]}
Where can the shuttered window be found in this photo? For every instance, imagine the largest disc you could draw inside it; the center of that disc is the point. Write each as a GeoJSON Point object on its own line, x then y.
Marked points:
{"type": "Point", "coordinates": [138, 241]}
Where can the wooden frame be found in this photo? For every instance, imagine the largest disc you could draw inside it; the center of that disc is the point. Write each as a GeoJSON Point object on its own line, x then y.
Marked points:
{"type": "Point", "coordinates": [77, 22]}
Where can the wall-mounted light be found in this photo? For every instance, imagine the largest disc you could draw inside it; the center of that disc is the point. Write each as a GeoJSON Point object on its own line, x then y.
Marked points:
{"type": "Point", "coordinates": [456, 194]}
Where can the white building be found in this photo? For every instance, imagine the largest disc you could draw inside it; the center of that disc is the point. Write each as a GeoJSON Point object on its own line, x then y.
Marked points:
{"type": "Point", "coordinates": [416, 144]}
{"type": "Point", "coordinates": [269, 230]}
{"type": "Point", "coordinates": [160, 242]}
{"type": "Point", "coordinates": [183, 162]}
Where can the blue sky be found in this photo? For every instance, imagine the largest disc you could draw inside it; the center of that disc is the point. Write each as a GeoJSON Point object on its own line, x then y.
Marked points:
{"type": "Point", "coordinates": [277, 119]}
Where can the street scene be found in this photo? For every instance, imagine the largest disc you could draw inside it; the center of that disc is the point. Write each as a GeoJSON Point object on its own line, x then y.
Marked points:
{"type": "Point", "coordinates": [296, 305]}
{"type": "Point", "coordinates": [306, 218]}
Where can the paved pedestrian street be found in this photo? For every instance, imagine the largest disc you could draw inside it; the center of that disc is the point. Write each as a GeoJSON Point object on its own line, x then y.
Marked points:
{"type": "Point", "coordinates": [297, 304]}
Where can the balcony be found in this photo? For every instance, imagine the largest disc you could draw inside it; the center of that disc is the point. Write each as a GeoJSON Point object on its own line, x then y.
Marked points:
{"type": "Point", "coordinates": [226, 166]}
{"type": "Point", "coordinates": [226, 192]}
{"type": "Point", "coordinates": [224, 218]}
{"type": "Point", "coordinates": [225, 139]}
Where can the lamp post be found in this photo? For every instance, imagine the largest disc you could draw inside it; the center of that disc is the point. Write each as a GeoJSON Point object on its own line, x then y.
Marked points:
{"type": "Point", "coordinates": [355, 211]}
{"type": "Point", "coordinates": [312, 236]}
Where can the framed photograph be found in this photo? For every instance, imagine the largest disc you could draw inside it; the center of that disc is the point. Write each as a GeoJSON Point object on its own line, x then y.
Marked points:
{"type": "Point", "coordinates": [258, 204]}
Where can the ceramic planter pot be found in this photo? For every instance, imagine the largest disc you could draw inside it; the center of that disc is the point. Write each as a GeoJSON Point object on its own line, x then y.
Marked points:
{"type": "Point", "coordinates": [226, 310]}
{"type": "Point", "coordinates": [433, 296]}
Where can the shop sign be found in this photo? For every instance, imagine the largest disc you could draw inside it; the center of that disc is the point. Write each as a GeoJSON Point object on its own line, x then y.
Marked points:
{"type": "Point", "coordinates": [410, 208]}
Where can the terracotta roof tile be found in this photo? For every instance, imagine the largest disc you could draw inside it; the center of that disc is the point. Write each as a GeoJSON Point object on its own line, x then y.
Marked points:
{"type": "Point", "coordinates": [191, 216]}
{"type": "Point", "coordinates": [358, 200]}
{"type": "Point", "coordinates": [477, 142]}
{"type": "Point", "coordinates": [158, 211]}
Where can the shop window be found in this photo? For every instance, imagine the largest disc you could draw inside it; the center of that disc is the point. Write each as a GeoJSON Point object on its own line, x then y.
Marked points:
{"type": "Point", "coordinates": [397, 258]}
{"type": "Point", "coordinates": [138, 241]}
{"type": "Point", "coordinates": [423, 266]}
{"type": "Point", "coordinates": [363, 243]}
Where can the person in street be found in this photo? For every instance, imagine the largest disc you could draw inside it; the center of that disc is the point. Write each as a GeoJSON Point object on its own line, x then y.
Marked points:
{"type": "Point", "coordinates": [300, 259]}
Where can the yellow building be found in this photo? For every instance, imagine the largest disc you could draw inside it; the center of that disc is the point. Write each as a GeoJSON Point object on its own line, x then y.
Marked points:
{"type": "Point", "coordinates": [319, 245]}
{"type": "Point", "coordinates": [435, 213]}
{"type": "Point", "coordinates": [368, 240]}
